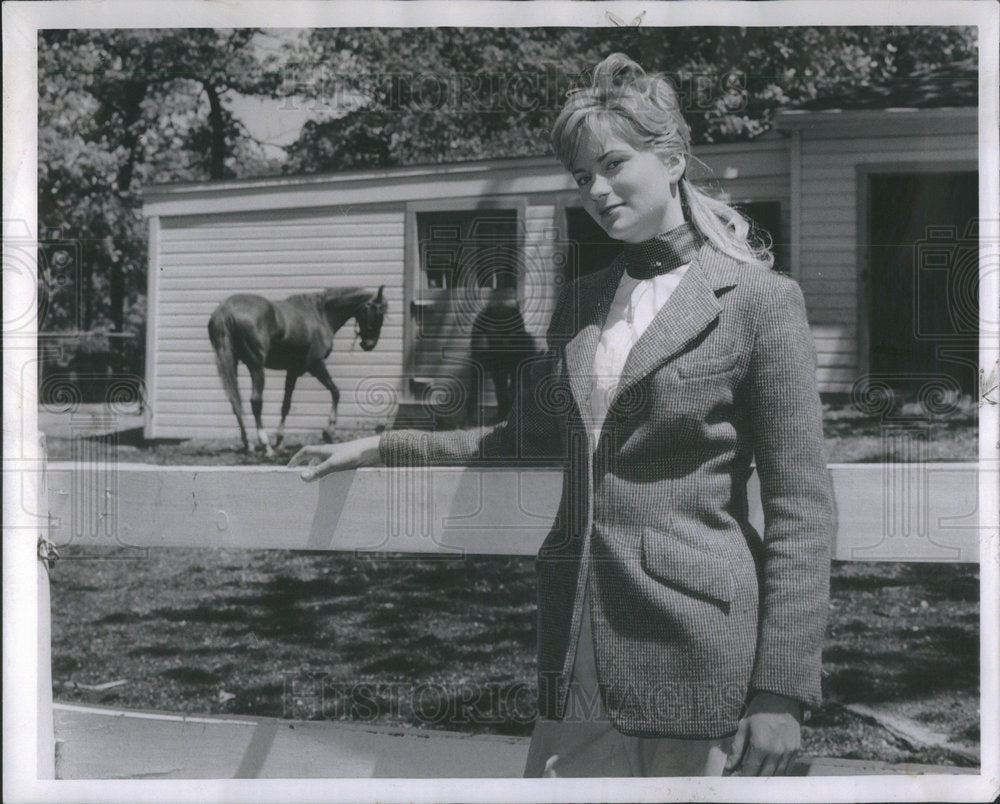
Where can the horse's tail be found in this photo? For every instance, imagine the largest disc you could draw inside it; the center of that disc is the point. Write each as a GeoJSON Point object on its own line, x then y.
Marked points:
{"type": "Point", "coordinates": [220, 333]}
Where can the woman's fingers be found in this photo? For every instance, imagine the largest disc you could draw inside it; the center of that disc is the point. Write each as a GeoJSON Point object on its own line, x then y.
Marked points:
{"type": "Point", "coordinates": [331, 464]}
{"type": "Point", "coordinates": [768, 764]}
{"type": "Point", "coordinates": [739, 743]}
{"type": "Point", "coordinates": [326, 458]}
{"type": "Point", "coordinates": [301, 456]}
{"type": "Point", "coordinates": [755, 750]}
{"type": "Point", "coordinates": [313, 473]}
{"type": "Point", "coordinates": [319, 458]}
{"type": "Point", "coordinates": [753, 759]}
{"type": "Point", "coordinates": [768, 736]}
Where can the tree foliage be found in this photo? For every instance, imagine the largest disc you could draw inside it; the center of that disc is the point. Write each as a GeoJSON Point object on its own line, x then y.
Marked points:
{"type": "Point", "coordinates": [442, 94]}
{"type": "Point", "coordinates": [123, 109]}
{"type": "Point", "coordinates": [119, 110]}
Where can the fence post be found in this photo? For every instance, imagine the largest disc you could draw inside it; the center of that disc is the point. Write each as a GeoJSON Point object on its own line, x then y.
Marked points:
{"type": "Point", "coordinates": [45, 727]}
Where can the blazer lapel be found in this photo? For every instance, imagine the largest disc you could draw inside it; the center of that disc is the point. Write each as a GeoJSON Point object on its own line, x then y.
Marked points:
{"type": "Point", "coordinates": [592, 307]}
{"type": "Point", "coordinates": [691, 307]}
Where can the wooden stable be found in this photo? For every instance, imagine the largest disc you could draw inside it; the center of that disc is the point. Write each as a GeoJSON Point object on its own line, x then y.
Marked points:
{"type": "Point", "coordinates": [443, 237]}
{"type": "Point", "coordinates": [892, 512]}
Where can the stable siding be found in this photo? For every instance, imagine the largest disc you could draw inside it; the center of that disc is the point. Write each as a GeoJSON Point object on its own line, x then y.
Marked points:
{"type": "Point", "coordinates": [296, 234]}
{"type": "Point", "coordinates": [762, 174]}
{"type": "Point", "coordinates": [828, 268]}
{"type": "Point", "coordinates": [203, 259]}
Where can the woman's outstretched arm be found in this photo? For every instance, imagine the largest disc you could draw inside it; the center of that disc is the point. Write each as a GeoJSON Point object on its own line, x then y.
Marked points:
{"type": "Point", "coordinates": [534, 426]}
{"type": "Point", "coordinates": [322, 459]}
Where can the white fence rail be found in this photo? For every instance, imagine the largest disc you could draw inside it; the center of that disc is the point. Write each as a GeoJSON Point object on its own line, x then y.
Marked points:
{"type": "Point", "coordinates": [887, 512]}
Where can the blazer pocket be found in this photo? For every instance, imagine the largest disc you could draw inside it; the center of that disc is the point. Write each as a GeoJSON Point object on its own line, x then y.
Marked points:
{"type": "Point", "coordinates": [695, 366]}
{"type": "Point", "coordinates": [685, 567]}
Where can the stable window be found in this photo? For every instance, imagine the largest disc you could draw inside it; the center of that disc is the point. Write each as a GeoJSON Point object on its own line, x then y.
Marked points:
{"type": "Point", "coordinates": [465, 255]}
{"type": "Point", "coordinates": [469, 249]}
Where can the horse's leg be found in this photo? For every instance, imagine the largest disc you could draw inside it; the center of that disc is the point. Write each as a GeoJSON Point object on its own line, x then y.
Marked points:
{"type": "Point", "coordinates": [238, 410]}
{"type": "Point", "coordinates": [257, 405]}
{"type": "Point", "coordinates": [319, 371]}
{"type": "Point", "coordinates": [286, 404]}
{"type": "Point", "coordinates": [237, 406]}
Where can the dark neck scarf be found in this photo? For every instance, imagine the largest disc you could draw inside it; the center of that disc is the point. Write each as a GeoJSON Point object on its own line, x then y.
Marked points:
{"type": "Point", "coordinates": [662, 253]}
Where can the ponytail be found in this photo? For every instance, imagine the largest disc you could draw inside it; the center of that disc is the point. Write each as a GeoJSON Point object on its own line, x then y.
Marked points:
{"type": "Point", "coordinates": [724, 227]}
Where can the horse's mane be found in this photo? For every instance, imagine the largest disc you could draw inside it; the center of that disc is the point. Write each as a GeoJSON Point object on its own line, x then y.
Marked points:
{"type": "Point", "coordinates": [332, 293]}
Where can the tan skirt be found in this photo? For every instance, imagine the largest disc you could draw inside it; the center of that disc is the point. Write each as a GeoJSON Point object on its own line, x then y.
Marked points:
{"type": "Point", "coordinates": [585, 743]}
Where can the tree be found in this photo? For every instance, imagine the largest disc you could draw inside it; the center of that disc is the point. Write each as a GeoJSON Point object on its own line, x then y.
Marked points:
{"type": "Point", "coordinates": [431, 95]}
{"type": "Point", "coordinates": [427, 94]}
{"type": "Point", "coordinates": [119, 110]}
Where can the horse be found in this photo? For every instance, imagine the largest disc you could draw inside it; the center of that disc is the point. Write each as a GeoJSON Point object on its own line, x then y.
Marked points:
{"type": "Point", "coordinates": [500, 343]}
{"type": "Point", "coordinates": [294, 335]}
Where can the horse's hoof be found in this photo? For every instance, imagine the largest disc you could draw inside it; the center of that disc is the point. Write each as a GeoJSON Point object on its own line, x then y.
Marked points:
{"type": "Point", "coordinates": [327, 437]}
{"type": "Point", "coordinates": [277, 440]}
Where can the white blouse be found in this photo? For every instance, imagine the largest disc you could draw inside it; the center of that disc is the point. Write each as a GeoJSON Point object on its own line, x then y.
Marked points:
{"type": "Point", "coordinates": [635, 305]}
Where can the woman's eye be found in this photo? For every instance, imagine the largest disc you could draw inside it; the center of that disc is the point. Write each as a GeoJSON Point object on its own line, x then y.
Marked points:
{"type": "Point", "coordinates": [581, 181]}
{"type": "Point", "coordinates": [615, 163]}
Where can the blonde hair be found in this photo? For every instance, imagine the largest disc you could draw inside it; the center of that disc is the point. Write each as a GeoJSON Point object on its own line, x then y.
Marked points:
{"type": "Point", "coordinates": [642, 109]}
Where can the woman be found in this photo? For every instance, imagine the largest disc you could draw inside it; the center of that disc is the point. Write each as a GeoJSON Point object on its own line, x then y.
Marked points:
{"type": "Point", "coordinates": [672, 638]}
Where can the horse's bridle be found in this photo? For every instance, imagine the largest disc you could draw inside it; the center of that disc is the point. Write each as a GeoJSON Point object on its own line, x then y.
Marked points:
{"type": "Point", "coordinates": [366, 311]}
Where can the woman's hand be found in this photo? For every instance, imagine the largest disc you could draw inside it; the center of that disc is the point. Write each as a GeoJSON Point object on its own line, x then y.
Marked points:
{"type": "Point", "coordinates": [768, 737]}
{"type": "Point", "coordinates": [323, 459]}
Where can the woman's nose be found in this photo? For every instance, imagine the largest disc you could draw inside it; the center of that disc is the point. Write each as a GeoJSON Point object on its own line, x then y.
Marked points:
{"type": "Point", "coordinates": [599, 187]}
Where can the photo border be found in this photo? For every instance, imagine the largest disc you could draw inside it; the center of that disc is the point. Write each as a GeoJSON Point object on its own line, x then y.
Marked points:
{"type": "Point", "coordinates": [22, 20]}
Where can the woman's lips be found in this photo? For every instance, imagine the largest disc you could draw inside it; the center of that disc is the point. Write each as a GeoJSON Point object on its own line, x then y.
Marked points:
{"type": "Point", "coordinates": [609, 209]}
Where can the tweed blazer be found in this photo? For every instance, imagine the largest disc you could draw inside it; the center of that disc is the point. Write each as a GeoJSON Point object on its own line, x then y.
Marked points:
{"type": "Point", "coordinates": [691, 609]}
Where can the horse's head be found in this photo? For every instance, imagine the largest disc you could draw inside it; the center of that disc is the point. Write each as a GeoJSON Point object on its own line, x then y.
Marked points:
{"type": "Point", "coordinates": [369, 320]}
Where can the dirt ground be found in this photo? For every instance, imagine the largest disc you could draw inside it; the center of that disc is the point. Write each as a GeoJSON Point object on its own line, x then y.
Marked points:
{"type": "Point", "coordinates": [909, 433]}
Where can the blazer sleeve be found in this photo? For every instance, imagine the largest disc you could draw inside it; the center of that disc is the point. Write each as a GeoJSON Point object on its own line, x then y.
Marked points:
{"type": "Point", "coordinates": [797, 499]}
{"type": "Point", "coordinates": [534, 429]}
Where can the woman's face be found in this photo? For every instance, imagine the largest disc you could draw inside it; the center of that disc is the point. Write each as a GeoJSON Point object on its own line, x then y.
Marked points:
{"type": "Point", "coordinates": [627, 191]}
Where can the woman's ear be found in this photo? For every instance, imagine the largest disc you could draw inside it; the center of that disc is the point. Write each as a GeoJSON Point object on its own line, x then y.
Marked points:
{"type": "Point", "coordinates": [676, 165]}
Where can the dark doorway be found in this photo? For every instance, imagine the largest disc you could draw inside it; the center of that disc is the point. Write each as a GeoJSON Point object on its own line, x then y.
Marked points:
{"type": "Point", "coordinates": [590, 248]}
{"type": "Point", "coordinates": [923, 278]}
{"type": "Point", "coordinates": [765, 220]}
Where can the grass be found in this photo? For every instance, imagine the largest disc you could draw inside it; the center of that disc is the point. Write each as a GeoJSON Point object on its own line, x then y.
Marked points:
{"type": "Point", "coordinates": [188, 628]}
{"type": "Point", "coordinates": [909, 434]}
{"type": "Point", "coordinates": [449, 643]}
